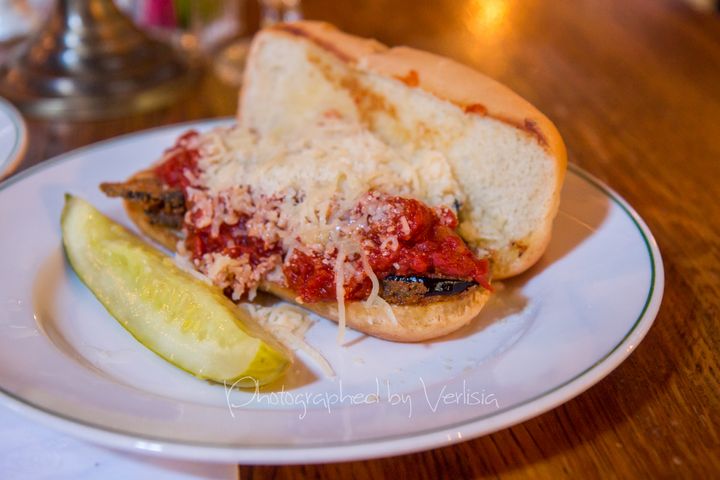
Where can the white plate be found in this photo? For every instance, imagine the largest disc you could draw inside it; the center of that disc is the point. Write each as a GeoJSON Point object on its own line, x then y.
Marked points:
{"type": "Point", "coordinates": [13, 137]}
{"type": "Point", "coordinates": [546, 337]}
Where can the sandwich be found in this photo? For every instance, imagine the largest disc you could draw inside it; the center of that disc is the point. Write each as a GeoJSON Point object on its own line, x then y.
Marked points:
{"type": "Point", "coordinates": [382, 188]}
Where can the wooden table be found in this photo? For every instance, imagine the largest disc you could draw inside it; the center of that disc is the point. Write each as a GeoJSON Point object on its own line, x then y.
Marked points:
{"type": "Point", "coordinates": [634, 87]}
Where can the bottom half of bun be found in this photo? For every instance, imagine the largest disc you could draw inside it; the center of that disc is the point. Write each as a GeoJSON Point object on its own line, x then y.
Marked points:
{"type": "Point", "coordinates": [408, 323]}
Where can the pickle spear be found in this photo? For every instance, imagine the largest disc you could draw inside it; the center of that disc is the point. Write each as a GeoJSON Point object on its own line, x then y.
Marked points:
{"type": "Point", "coordinates": [179, 317]}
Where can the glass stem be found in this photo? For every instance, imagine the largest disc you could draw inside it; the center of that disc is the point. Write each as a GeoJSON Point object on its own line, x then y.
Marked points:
{"type": "Point", "coordinates": [275, 11]}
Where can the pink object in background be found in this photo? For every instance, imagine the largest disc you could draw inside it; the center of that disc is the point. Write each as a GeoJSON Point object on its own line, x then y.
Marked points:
{"type": "Point", "coordinates": [194, 26]}
{"type": "Point", "coordinates": [159, 13]}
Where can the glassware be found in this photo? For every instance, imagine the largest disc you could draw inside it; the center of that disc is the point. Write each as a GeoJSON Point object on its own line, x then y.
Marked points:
{"type": "Point", "coordinates": [275, 11]}
{"type": "Point", "coordinates": [90, 61]}
{"type": "Point", "coordinates": [195, 26]}
{"type": "Point", "coordinates": [18, 18]}
{"type": "Point", "coordinates": [229, 63]}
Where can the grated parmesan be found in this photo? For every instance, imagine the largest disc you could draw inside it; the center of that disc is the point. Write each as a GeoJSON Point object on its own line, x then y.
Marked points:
{"type": "Point", "coordinates": [340, 291]}
{"type": "Point", "coordinates": [302, 193]}
{"type": "Point", "coordinates": [288, 324]}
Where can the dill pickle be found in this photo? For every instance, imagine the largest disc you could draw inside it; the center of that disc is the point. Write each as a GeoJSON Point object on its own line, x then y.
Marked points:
{"type": "Point", "coordinates": [184, 320]}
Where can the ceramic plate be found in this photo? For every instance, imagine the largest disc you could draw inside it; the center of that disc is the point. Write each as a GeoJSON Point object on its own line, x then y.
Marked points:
{"type": "Point", "coordinates": [545, 337]}
{"type": "Point", "coordinates": [13, 138]}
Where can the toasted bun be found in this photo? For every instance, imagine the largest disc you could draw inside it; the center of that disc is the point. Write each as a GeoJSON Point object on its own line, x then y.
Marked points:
{"type": "Point", "coordinates": [508, 157]}
{"type": "Point", "coordinates": [412, 323]}
{"type": "Point", "coordinates": [162, 235]}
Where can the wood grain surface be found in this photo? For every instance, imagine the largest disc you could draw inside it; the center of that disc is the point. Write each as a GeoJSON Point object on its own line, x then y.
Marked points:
{"type": "Point", "coordinates": [634, 87]}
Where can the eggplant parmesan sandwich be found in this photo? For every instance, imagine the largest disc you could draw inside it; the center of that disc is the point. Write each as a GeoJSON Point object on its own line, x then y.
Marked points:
{"type": "Point", "coordinates": [383, 188]}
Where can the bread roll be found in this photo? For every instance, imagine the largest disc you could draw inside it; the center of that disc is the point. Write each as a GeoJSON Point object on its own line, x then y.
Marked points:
{"type": "Point", "coordinates": [507, 157]}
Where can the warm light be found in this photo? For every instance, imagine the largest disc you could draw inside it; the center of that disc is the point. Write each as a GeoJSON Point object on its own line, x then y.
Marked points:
{"type": "Point", "coordinates": [488, 26]}
{"type": "Point", "coordinates": [486, 17]}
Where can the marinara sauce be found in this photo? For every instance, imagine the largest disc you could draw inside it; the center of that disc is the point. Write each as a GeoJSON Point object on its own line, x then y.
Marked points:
{"type": "Point", "coordinates": [180, 158]}
{"type": "Point", "coordinates": [181, 164]}
{"type": "Point", "coordinates": [426, 244]}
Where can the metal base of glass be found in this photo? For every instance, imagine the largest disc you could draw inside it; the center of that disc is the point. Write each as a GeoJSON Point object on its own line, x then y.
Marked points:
{"type": "Point", "coordinates": [90, 61]}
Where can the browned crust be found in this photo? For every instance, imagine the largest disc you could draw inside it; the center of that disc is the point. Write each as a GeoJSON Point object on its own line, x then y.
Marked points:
{"type": "Point", "coordinates": [347, 48]}
{"type": "Point", "coordinates": [470, 90]}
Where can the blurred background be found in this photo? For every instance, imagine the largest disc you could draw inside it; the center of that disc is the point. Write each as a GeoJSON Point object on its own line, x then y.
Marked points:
{"type": "Point", "coordinates": [70, 58]}
{"type": "Point", "coordinates": [90, 59]}
{"type": "Point", "coordinates": [568, 58]}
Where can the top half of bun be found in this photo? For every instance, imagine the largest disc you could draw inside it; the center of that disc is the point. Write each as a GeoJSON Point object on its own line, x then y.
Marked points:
{"type": "Point", "coordinates": [508, 158]}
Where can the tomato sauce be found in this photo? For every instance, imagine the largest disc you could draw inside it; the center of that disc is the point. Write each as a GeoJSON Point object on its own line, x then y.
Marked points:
{"type": "Point", "coordinates": [182, 160]}
{"type": "Point", "coordinates": [231, 240]}
{"type": "Point", "coordinates": [314, 280]}
{"type": "Point", "coordinates": [427, 243]}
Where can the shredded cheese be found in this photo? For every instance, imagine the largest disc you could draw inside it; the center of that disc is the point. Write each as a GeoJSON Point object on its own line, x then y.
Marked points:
{"type": "Point", "coordinates": [388, 310]}
{"type": "Point", "coordinates": [320, 173]}
{"type": "Point", "coordinates": [188, 267]}
{"type": "Point", "coordinates": [405, 225]}
{"type": "Point", "coordinates": [340, 291]}
{"type": "Point", "coordinates": [372, 298]}
{"type": "Point", "coordinates": [288, 324]}
{"type": "Point", "coordinates": [300, 192]}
